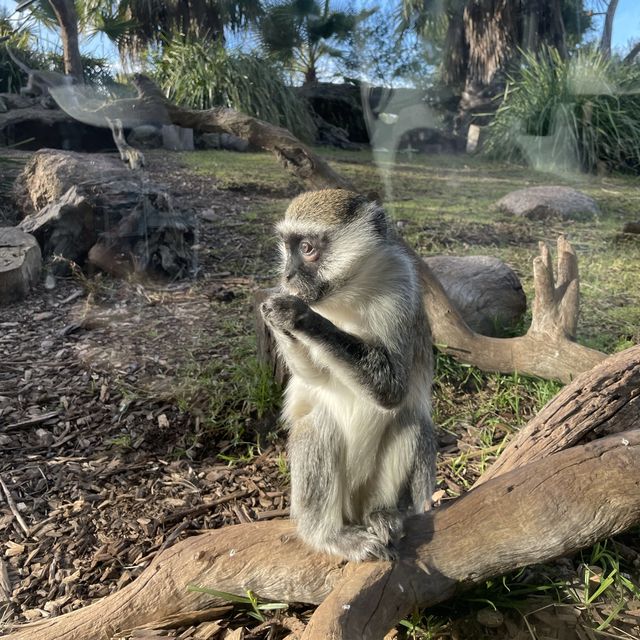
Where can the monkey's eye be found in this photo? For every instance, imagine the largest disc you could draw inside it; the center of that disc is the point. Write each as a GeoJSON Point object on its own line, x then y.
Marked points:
{"type": "Point", "coordinates": [308, 251]}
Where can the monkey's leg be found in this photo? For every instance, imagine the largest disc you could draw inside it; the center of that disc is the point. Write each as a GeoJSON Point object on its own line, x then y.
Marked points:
{"type": "Point", "coordinates": [316, 452]}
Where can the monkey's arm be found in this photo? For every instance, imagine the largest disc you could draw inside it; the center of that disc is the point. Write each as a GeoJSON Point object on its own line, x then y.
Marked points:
{"type": "Point", "coordinates": [298, 359]}
{"type": "Point", "coordinates": [371, 366]}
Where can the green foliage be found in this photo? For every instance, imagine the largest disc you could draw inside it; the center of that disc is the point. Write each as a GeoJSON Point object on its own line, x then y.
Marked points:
{"type": "Point", "coordinates": [202, 75]}
{"type": "Point", "coordinates": [135, 25]}
{"type": "Point", "coordinates": [301, 33]}
{"type": "Point", "coordinates": [575, 114]}
{"type": "Point", "coordinates": [255, 607]}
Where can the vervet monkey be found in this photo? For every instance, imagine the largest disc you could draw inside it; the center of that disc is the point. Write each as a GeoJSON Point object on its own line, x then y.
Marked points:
{"type": "Point", "coordinates": [39, 82]}
{"type": "Point", "coordinates": [350, 324]}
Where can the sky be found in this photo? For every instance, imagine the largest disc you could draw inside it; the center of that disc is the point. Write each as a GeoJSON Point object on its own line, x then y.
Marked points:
{"type": "Point", "coordinates": [626, 28]}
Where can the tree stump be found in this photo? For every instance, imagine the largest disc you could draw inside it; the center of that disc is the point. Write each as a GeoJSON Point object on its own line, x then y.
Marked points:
{"type": "Point", "coordinates": [91, 207]}
{"type": "Point", "coordinates": [20, 263]}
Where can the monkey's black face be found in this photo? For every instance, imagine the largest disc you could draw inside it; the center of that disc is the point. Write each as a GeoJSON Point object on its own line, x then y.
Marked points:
{"type": "Point", "coordinates": [303, 258]}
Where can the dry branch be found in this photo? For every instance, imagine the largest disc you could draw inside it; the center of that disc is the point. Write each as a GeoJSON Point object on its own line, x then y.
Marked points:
{"type": "Point", "coordinates": [533, 514]}
{"type": "Point", "coordinates": [547, 350]}
{"type": "Point", "coordinates": [152, 107]}
{"type": "Point", "coordinates": [602, 401]}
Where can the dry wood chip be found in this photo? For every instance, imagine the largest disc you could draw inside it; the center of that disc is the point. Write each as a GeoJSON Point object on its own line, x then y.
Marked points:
{"type": "Point", "coordinates": [236, 634]}
{"type": "Point", "coordinates": [208, 630]}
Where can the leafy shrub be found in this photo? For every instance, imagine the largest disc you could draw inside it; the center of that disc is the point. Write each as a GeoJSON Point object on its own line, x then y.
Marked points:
{"type": "Point", "coordinates": [578, 113]}
{"type": "Point", "coordinates": [202, 75]}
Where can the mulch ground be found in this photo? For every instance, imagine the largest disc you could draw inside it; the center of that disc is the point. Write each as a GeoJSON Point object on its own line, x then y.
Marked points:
{"type": "Point", "coordinates": [99, 468]}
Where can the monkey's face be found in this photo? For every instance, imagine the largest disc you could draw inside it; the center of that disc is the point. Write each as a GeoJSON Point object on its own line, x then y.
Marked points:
{"type": "Point", "coordinates": [327, 238]}
{"type": "Point", "coordinates": [302, 258]}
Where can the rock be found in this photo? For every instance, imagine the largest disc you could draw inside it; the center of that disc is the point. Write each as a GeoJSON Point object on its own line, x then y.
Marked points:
{"type": "Point", "coordinates": [20, 263]}
{"type": "Point", "coordinates": [484, 289]}
{"type": "Point", "coordinates": [233, 143]}
{"type": "Point", "coordinates": [540, 203]}
{"type": "Point", "coordinates": [3, 106]}
{"type": "Point", "coordinates": [146, 136]}
{"type": "Point", "coordinates": [207, 141]}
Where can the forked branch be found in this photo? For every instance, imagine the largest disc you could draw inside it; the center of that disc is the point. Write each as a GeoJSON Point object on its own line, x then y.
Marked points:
{"type": "Point", "coordinates": [547, 350]}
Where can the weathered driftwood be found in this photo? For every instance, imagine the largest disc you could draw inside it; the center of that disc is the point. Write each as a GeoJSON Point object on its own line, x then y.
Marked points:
{"type": "Point", "coordinates": [531, 514]}
{"type": "Point", "coordinates": [547, 350]}
{"type": "Point", "coordinates": [600, 402]}
{"type": "Point", "coordinates": [20, 263]}
{"type": "Point", "coordinates": [81, 206]}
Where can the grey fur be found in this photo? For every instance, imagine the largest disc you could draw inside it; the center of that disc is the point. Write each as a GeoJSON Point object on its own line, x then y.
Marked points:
{"type": "Point", "coordinates": [353, 332]}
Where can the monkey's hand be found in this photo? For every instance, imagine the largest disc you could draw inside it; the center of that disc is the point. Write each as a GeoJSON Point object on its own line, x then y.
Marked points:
{"type": "Point", "coordinates": [284, 313]}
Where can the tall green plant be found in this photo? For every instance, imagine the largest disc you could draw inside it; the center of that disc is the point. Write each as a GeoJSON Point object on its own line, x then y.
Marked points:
{"type": "Point", "coordinates": [569, 114]}
{"type": "Point", "coordinates": [202, 75]}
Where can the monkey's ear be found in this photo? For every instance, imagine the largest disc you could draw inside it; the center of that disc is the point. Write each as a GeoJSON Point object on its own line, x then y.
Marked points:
{"type": "Point", "coordinates": [379, 220]}
{"type": "Point", "coordinates": [373, 196]}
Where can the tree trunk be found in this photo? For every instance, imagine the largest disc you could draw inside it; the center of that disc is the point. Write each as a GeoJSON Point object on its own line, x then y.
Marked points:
{"type": "Point", "coordinates": [65, 11]}
{"type": "Point", "coordinates": [607, 29]}
{"type": "Point", "coordinates": [630, 57]}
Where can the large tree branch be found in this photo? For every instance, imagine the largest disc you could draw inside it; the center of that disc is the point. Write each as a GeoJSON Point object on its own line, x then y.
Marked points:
{"type": "Point", "coordinates": [531, 514]}
{"type": "Point", "coordinates": [547, 350]}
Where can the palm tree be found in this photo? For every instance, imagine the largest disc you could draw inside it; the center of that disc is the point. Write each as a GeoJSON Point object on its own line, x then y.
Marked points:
{"type": "Point", "coordinates": [300, 33]}
{"type": "Point", "coordinates": [135, 24]}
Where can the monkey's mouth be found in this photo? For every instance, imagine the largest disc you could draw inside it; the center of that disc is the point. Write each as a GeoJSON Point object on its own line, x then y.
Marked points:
{"type": "Point", "coordinates": [306, 292]}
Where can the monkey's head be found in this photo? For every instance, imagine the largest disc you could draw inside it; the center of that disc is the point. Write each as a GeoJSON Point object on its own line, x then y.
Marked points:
{"type": "Point", "coordinates": [326, 237]}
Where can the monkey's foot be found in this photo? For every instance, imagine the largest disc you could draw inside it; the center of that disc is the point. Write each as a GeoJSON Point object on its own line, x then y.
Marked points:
{"type": "Point", "coordinates": [386, 525]}
{"type": "Point", "coordinates": [358, 544]}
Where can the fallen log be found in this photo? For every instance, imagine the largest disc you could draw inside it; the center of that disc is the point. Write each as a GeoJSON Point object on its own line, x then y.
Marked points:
{"type": "Point", "coordinates": [531, 514]}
